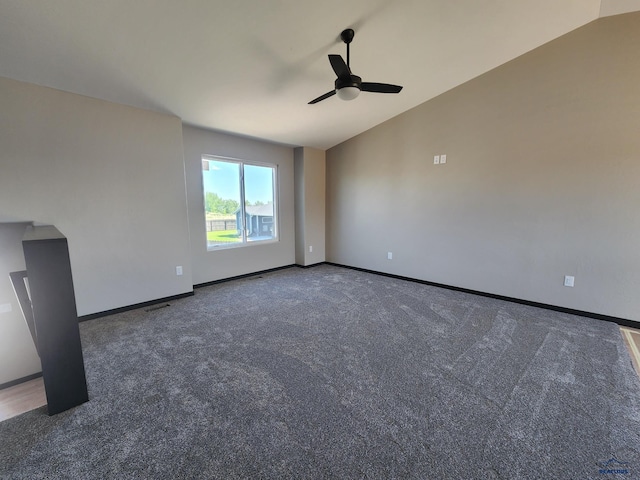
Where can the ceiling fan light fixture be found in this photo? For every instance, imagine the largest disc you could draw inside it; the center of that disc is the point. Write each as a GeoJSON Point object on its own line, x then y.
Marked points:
{"type": "Point", "coordinates": [348, 93]}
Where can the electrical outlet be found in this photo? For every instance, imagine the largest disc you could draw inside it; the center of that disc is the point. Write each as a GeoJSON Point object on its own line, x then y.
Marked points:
{"type": "Point", "coordinates": [310, 248]}
{"type": "Point", "coordinates": [569, 281]}
{"type": "Point", "coordinates": [389, 255]}
{"type": "Point", "coordinates": [443, 159]}
{"type": "Point", "coordinates": [436, 159]}
{"type": "Point", "coordinates": [179, 270]}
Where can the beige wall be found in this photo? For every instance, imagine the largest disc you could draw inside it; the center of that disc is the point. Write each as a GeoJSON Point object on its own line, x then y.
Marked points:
{"type": "Point", "coordinates": [541, 179]}
{"type": "Point", "coordinates": [111, 178]}
{"type": "Point", "coordinates": [298, 180]}
{"type": "Point", "coordinates": [310, 173]}
{"type": "Point", "coordinates": [18, 356]}
{"type": "Point", "coordinates": [215, 265]}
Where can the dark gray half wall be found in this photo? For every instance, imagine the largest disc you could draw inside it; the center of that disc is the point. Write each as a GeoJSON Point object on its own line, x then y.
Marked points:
{"type": "Point", "coordinates": [541, 179]}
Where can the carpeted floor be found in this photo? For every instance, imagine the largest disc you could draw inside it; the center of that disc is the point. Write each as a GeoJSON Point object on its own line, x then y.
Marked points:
{"type": "Point", "coordinates": [333, 373]}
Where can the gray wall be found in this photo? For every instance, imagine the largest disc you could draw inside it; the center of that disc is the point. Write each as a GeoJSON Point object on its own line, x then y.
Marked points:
{"type": "Point", "coordinates": [18, 356]}
{"type": "Point", "coordinates": [111, 178]}
{"type": "Point", "coordinates": [541, 179]}
{"type": "Point", "coordinates": [298, 173]}
{"type": "Point", "coordinates": [215, 265]}
{"type": "Point", "coordinates": [310, 173]}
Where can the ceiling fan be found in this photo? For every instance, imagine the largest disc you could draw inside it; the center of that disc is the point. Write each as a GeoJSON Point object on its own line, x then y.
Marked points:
{"type": "Point", "coordinates": [348, 85]}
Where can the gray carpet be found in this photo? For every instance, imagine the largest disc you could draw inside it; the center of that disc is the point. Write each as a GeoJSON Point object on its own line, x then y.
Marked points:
{"type": "Point", "coordinates": [334, 373]}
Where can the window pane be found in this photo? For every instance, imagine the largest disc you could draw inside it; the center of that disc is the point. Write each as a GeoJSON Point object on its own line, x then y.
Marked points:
{"type": "Point", "coordinates": [222, 199]}
{"type": "Point", "coordinates": [239, 202]}
{"type": "Point", "coordinates": [259, 203]}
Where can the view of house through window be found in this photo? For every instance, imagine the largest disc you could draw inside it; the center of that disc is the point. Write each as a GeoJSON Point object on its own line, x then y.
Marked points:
{"type": "Point", "coordinates": [239, 202]}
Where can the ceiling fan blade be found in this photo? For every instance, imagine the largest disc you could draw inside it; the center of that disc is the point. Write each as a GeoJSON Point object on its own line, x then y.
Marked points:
{"type": "Point", "coordinates": [380, 87]}
{"type": "Point", "coordinates": [322, 97]}
{"type": "Point", "coordinates": [341, 68]}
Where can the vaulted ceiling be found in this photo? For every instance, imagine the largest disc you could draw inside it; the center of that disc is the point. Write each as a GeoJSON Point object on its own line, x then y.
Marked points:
{"type": "Point", "coordinates": [250, 67]}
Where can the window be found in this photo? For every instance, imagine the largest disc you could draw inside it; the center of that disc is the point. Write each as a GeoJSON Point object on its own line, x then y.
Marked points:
{"type": "Point", "coordinates": [239, 202]}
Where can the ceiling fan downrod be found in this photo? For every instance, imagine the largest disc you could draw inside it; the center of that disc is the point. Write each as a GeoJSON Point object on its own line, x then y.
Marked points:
{"type": "Point", "coordinates": [347, 37]}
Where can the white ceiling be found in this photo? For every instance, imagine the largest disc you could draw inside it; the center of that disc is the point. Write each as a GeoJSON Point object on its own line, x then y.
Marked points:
{"type": "Point", "coordinates": [250, 66]}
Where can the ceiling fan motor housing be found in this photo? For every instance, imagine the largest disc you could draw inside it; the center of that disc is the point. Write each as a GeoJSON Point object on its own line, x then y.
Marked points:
{"type": "Point", "coordinates": [354, 81]}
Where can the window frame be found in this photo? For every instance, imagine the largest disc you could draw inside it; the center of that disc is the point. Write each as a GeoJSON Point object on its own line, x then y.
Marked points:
{"type": "Point", "coordinates": [245, 240]}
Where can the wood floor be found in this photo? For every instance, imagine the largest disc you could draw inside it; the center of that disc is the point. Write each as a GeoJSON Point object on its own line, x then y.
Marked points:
{"type": "Point", "coordinates": [22, 398]}
{"type": "Point", "coordinates": [30, 395]}
{"type": "Point", "coordinates": [632, 340]}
